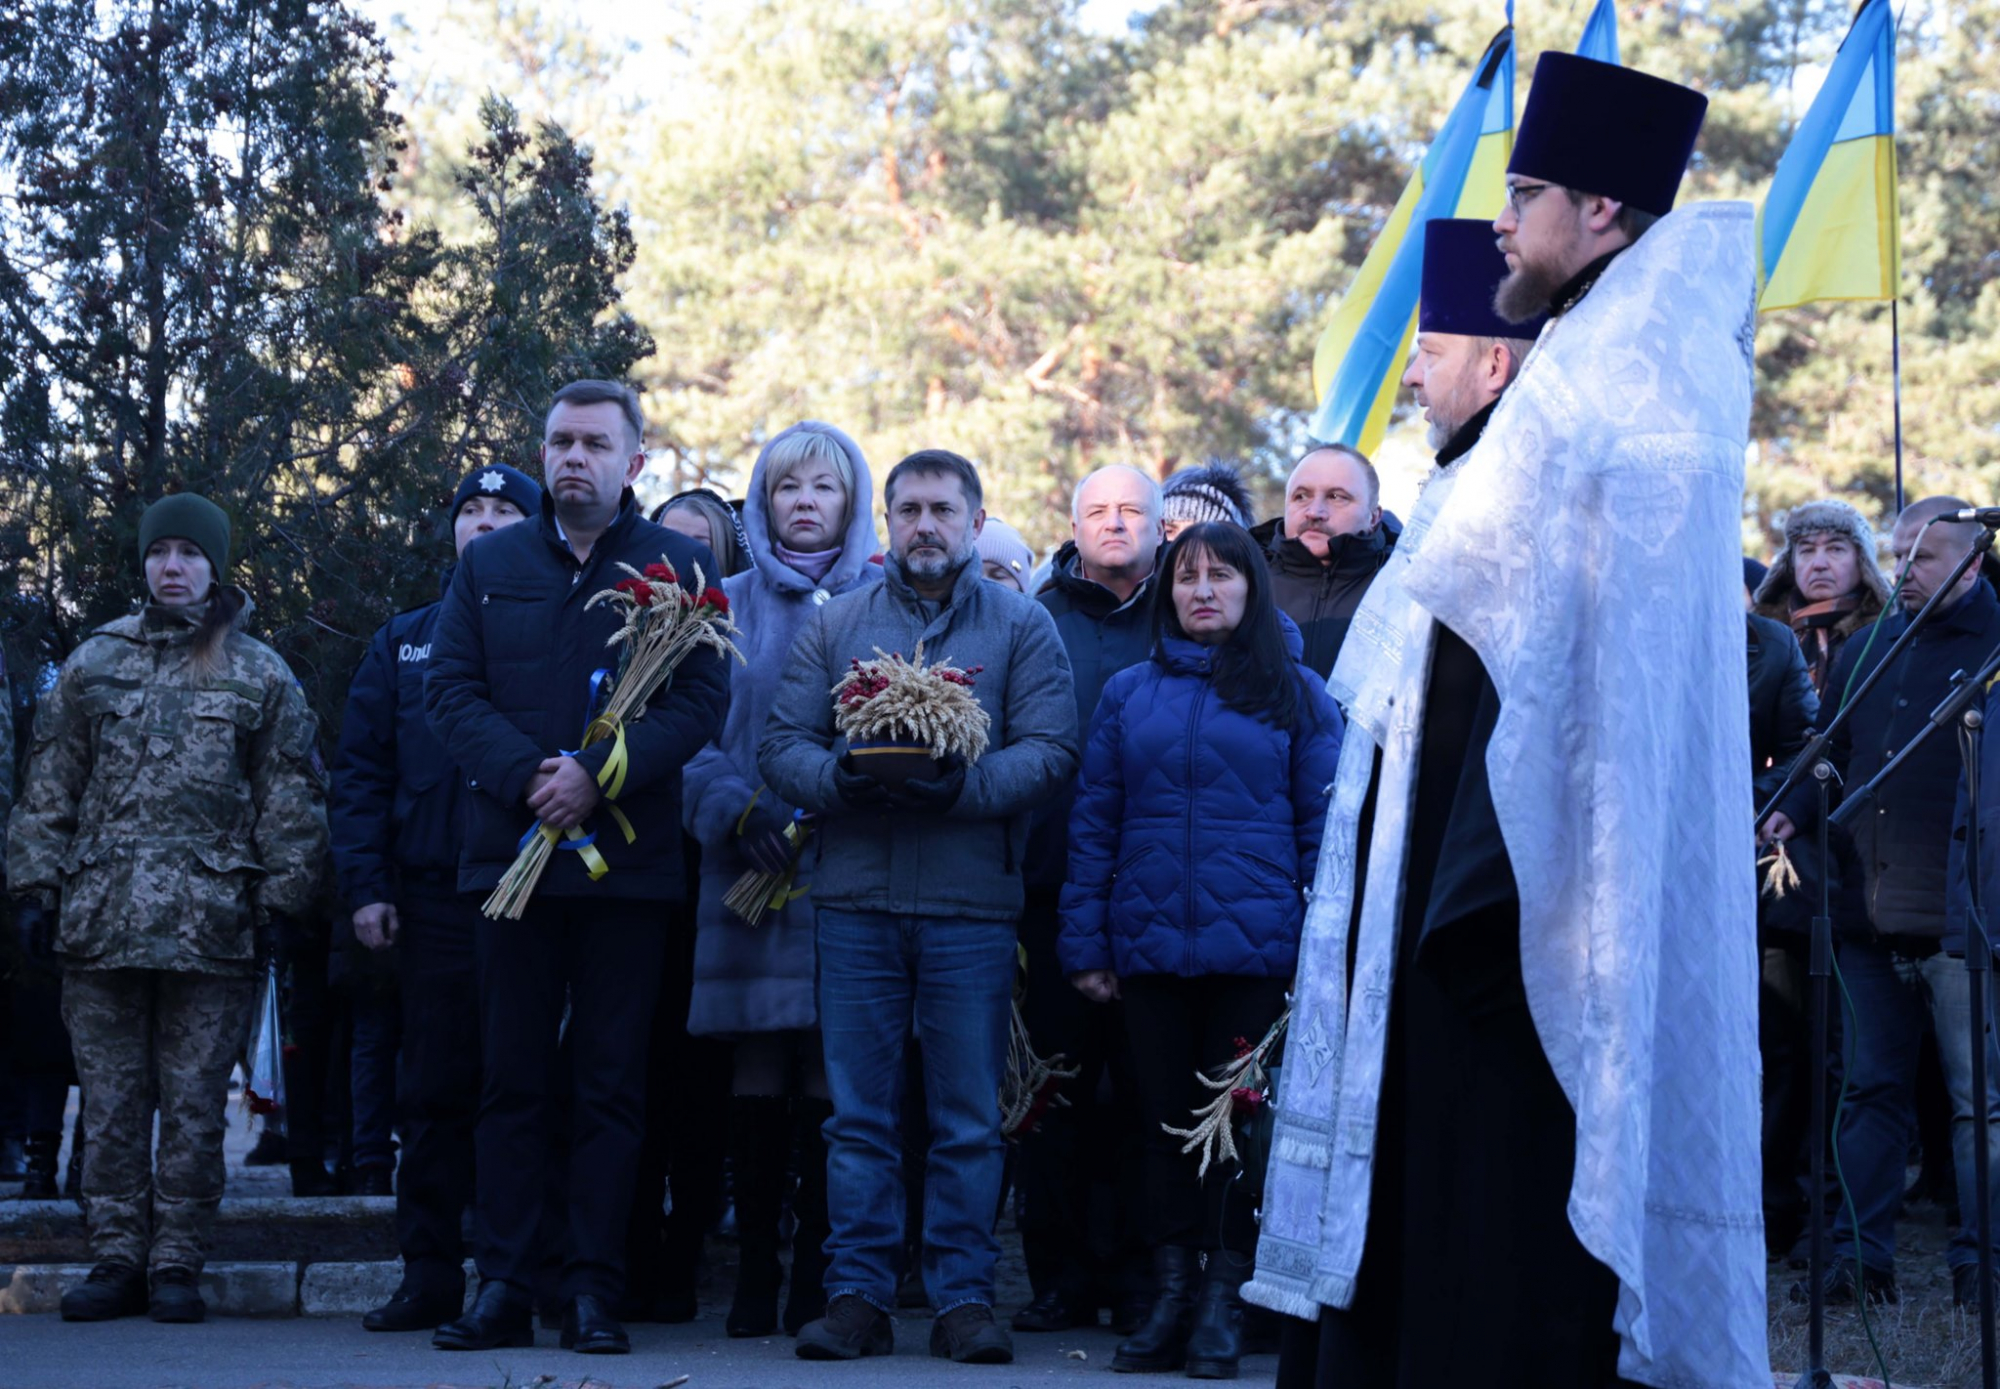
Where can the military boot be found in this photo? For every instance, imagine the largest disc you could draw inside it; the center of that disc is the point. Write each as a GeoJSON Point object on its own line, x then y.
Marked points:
{"type": "Point", "coordinates": [176, 1298]}
{"type": "Point", "coordinates": [112, 1290]}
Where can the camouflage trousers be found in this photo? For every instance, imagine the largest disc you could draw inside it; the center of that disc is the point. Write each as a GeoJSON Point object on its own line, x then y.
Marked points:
{"type": "Point", "coordinates": [144, 1037]}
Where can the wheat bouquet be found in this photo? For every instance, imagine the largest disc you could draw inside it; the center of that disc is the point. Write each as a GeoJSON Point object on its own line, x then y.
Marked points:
{"type": "Point", "coordinates": [663, 624]}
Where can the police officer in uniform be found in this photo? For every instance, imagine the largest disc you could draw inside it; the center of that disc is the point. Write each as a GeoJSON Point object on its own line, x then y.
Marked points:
{"type": "Point", "coordinates": [394, 814]}
{"type": "Point", "coordinates": [173, 802]}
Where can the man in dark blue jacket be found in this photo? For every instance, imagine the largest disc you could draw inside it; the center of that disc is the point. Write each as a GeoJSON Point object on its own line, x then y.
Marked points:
{"type": "Point", "coordinates": [1903, 981]}
{"type": "Point", "coordinates": [511, 689]}
{"type": "Point", "coordinates": [394, 813]}
{"type": "Point", "coordinates": [1100, 592]}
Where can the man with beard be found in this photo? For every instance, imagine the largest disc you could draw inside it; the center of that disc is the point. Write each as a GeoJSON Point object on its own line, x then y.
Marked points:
{"type": "Point", "coordinates": [1508, 1051]}
{"type": "Point", "coordinates": [1327, 547]}
{"type": "Point", "coordinates": [1825, 585]}
{"type": "Point", "coordinates": [918, 886]}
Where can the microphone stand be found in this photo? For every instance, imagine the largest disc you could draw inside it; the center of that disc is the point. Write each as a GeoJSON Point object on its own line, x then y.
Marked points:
{"type": "Point", "coordinates": [1814, 751]}
{"type": "Point", "coordinates": [1963, 707]}
{"type": "Point", "coordinates": [1819, 970]}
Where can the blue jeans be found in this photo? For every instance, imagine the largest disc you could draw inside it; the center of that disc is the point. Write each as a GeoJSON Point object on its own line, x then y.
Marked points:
{"type": "Point", "coordinates": [1894, 996]}
{"type": "Point", "coordinates": [953, 980]}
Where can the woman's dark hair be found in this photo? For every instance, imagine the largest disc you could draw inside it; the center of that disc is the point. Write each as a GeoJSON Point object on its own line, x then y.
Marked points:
{"type": "Point", "coordinates": [1254, 673]}
{"type": "Point", "coordinates": [225, 605]}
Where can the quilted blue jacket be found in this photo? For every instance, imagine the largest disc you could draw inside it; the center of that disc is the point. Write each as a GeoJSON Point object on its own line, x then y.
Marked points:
{"type": "Point", "coordinates": [1196, 827]}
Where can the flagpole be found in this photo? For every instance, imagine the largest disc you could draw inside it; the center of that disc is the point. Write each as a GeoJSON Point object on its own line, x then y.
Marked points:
{"type": "Point", "coordinates": [1896, 376]}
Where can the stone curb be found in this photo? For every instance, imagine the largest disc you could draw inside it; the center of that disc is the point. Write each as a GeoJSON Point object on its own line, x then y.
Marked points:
{"type": "Point", "coordinates": [234, 1288]}
{"type": "Point", "coordinates": [230, 1289]}
{"type": "Point", "coordinates": [235, 1210]}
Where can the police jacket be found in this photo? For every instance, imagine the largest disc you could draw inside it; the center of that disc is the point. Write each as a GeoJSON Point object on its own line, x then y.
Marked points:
{"type": "Point", "coordinates": [1103, 636]}
{"type": "Point", "coordinates": [1321, 597]}
{"type": "Point", "coordinates": [393, 807]}
{"type": "Point", "coordinates": [512, 659]}
{"type": "Point", "coordinates": [1903, 837]}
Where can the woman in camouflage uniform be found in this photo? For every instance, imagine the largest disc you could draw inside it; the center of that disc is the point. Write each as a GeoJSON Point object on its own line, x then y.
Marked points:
{"type": "Point", "coordinates": [173, 801]}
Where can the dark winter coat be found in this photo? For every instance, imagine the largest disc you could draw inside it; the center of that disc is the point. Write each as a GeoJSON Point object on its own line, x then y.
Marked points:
{"type": "Point", "coordinates": [509, 685]}
{"type": "Point", "coordinates": [393, 805]}
{"type": "Point", "coordinates": [1103, 636]}
{"type": "Point", "coordinates": [1321, 596]}
{"type": "Point", "coordinates": [761, 978]}
{"type": "Point", "coordinates": [967, 861]}
{"type": "Point", "coordinates": [1783, 707]}
{"type": "Point", "coordinates": [1197, 827]}
{"type": "Point", "coordinates": [1904, 836]}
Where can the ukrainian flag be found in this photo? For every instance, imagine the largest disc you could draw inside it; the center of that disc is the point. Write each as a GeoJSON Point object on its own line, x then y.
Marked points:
{"type": "Point", "coordinates": [1829, 227]}
{"type": "Point", "coordinates": [1360, 356]}
{"type": "Point", "coordinates": [1600, 34]}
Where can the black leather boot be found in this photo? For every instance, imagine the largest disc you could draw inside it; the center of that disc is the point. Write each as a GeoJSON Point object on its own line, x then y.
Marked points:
{"type": "Point", "coordinates": [502, 1315]}
{"type": "Point", "coordinates": [112, 1290]}
{"type": "Point", "coordinates": [1215, 1347]}
{"type": "Point", "coordinates": [1161, 1343]}
{"type": "Point", "coordinates": [805, 1300]}
{"type": "Point", "coordinates": [39, 1184]}
{"type": "Point", "coordinates": [759, 1144]}
{"type": "Point", "coordinates": [589, 1328]}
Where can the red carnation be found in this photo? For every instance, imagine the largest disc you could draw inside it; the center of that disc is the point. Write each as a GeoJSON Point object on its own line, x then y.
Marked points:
{"type": "Point", "coordinates": [663, 572]}
{"type": "Point", "coordinates": [715, 598]}
{"type": "Point", "coordinates": [639, 589]}
{"type": "Point", "coordinates": [1246, 1099]}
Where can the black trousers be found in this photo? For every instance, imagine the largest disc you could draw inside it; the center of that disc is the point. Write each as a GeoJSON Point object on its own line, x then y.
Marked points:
{"type": "Point", "coordinates": [437, 1081]}
{"type": "Point", "coordinates": [1081, 1226]}
{"type": "Point", "coordinates": [1178, 1027]}
{"type": "Point", "coordinates": [601, 959]}
{"type": "Point", "coordinates": [686, 1132]}
{"type": "Point", "coordinates": [1468, 1218]}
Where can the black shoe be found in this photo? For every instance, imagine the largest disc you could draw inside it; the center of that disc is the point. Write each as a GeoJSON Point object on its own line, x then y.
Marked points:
{"type": "Point", "coordinates": [1161, 1344]}
{"type": "Point", "coordinates": [410, 1310]}
{"type": "Point", "coordinates": [112, 1290]}
{"type": "Point", "coordinates": [760, 1131]}
{"type": "Point", "coordinates": [1965, 1287]}
{"type": "Point", "coordinates": [1053, 1311]}
{"type": "Point", "coordinates": [1879, 1286]}
{"type": "Point", "coordinates": [805, 1299]}
{"type": "Point", "coordinates": [1215, 1345]}
{"type": "Point", "coordinates": [589, 1328]}
{"type": "Point", "coordinates": [851, 1328]}
{"type": "Point", "coordinates": [968, 1335]}
{"type": "Point", "coordinates": [38, 1182]}
{"type": "Point", "coordinates": [500, 1316]}
{"type": "Point", "coordinates": [175, 1297]}
{"type": "Point", "coordinates": [373, 1181]}
{"type": "Point", "coordinates": [269, 1150]}
{"type": "Point", "coordinates": [311, 1178]}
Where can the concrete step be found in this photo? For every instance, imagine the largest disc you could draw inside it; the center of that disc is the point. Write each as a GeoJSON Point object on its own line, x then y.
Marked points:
{"type": "Point", "coordinates": [255, 1229]}
{"type": "Point", "coordinates": [233, 1288]}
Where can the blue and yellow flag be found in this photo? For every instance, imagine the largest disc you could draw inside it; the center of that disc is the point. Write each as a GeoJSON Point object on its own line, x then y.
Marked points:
{"type": "Point", "coordinates": [1829, 227]}
{"type": "Point", "coordinates": [1360, 356]}
{"type": "Point", "coordinates": [1600, 34]}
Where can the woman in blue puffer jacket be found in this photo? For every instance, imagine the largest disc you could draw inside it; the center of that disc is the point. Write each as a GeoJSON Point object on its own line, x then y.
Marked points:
{"type": "Point", "coordinates": [1200, 802]}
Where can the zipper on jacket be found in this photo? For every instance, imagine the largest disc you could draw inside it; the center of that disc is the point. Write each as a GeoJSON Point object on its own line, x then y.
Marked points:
{"type": "Point", "coordinates": [1187, 857]}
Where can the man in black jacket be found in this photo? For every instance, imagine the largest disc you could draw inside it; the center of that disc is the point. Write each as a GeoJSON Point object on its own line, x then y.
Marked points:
{"type": "Point", "coordinates": [1327, 547]}
{"type": "Point", "coordinates": [393, 812]}
{"type": "Point", "coordinates": [511, 689]}
{"type": "Point", "coordinates": [1903, 980]}
{"type": "Point", "coordinates": [1100, 592]}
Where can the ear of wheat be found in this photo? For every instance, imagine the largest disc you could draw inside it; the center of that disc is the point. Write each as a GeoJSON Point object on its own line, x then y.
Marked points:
{"type": "Point", "coordinates": [905, 700]}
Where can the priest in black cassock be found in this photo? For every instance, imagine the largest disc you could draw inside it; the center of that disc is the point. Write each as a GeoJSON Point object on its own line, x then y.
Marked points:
{"type": "Point", "coordinates": [1516, 1139]}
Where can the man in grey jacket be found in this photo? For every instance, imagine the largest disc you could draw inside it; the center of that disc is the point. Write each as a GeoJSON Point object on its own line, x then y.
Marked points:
{"type": "Point", "coordinates": [918, 889]}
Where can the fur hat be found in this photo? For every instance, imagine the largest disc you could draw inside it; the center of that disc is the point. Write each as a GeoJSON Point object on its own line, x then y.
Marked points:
{"type": "Point", "coordinates": [1212, 492]}
{"type": "Point", "coordinates": [1828, 517]}
{"type": "Point", "coordinates": [1000, 543]}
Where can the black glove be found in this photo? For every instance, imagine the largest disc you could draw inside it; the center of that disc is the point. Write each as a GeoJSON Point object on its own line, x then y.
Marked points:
{"type": "Point", "coordinates": [939, 793]}
{"type": "Point", "coordinates": [762, 838]}
{"type": "Point", "coordinates": [860, 791]}
{"type": "Point", "coordinates": [35, 923]}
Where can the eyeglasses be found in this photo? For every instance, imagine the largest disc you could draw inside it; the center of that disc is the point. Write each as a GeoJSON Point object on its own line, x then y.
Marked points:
{"type": "Point", "coordinates": [1519, 195]}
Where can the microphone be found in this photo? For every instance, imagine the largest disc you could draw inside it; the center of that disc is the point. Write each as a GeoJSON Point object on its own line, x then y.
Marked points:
{"type": "Point", "coordinates": [1988, 516]}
